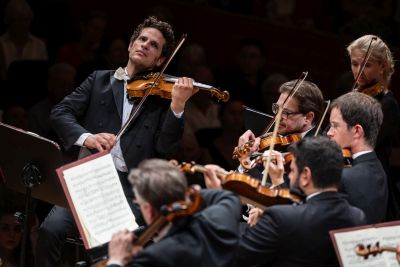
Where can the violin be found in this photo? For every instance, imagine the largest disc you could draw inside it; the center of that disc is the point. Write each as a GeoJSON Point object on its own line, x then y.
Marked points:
{"type": "Point", "coordinates": [366, 251]}
{"type": "Point", "coordinates": [373, 90]}
{"type": "Point", "coordinates": [248, 188]}
{"type": "Point", "coordinates": [265, 142]}
{"type": "Point", "coordinates": [169, 213]}
{"type": "Point", "coordinates": [163, 88]}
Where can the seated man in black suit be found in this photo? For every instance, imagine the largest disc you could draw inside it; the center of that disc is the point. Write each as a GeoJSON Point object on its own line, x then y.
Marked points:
{"type": "Point", "coordinates": [355, 122]}
{"type": "Point", "coordinates": [207, 238]}
{"type": "Point", "coordinates": [289, 235]}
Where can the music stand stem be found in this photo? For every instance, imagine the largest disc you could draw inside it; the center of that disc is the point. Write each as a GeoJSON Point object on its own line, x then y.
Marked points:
{"type": "Point", "coordinates": [30, 177]}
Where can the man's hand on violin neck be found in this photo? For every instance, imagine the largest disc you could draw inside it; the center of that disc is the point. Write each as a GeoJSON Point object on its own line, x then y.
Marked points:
{"type": "Point", "coordinates": [100, 141]}
{"type": "Point", "coordinates": [181, 91]}
{"type": "Point", "coordinates": [247, 137]}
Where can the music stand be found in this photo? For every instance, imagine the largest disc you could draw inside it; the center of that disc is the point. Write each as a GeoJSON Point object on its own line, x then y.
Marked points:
{"type": "Point", "coordinates": [33, 158]}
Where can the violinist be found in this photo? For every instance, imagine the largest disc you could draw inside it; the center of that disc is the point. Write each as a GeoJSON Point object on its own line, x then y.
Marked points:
{"type": "Point", "coordinates": [375, 81]}
{"type": "Point", "coordinates": [298, 235]}
{"type": "Point", "coordinates": [355, 120]}
{"type": "Point", "coordinates": [299, 116]}
{"type": "Point", "coordinates": [207, 238]}
{"type": "Point", "coordinates": [93, 114]}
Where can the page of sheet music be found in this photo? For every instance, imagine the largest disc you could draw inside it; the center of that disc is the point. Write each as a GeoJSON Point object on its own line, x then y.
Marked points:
{"type": "Point", "coordinates": [99, 199]}
{"type": "Point", "coordinates": [347, 241]}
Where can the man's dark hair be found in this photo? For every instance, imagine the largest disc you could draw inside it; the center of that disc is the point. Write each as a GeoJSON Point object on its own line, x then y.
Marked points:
{"type": "Point", "coordinates": [309, 97]}
{"type": "Point", "coordinates": [359, 108]}
{"type": "Point", "coordinates": [163, 27]}
{"type": "Point", "coordinates": [323, 157]}
{"type": "Point", "coordinates": [158, 182]}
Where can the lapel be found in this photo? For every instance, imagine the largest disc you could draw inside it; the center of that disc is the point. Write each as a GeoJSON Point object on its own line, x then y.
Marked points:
{"type": "Point", "coordinates": [117, 87]}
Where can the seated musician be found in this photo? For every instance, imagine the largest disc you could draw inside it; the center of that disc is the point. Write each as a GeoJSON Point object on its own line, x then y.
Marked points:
{"type": "Point", "coordinates": [300, 115]}
{"type": "Point", "coordinates": [298, 235]}
{"type": "Point", "coordinates": [355, 121]}
{"type": "Point", "coordinates": [207, 238]}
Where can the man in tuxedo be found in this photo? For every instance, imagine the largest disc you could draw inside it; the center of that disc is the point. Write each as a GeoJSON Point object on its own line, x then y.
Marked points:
{"type": "Point", "coordinates": [96, 111]}
{"type": "Point", "coordinates": [355, 121]}
{"type": "Point", "coordinates": [207, 238]}
{"type": "Point", "coordinates": [298, 235]}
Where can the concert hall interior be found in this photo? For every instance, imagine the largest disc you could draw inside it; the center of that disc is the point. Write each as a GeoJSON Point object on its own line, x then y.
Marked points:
{"type": "Point", "coordinates": [67, 74]}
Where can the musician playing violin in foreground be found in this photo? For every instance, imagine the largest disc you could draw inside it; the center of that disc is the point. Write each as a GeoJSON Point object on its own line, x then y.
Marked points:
{"type": "Point", "coordinates": [94, 113]}
{"type": "Point", "coordinates": [300, 115]}
{"type": "Point", "coordinates": [207, 238]}
{"type": "Point", "coordinates": [298, 235]}
{"type": "Point", "coordinates": [355, 121]}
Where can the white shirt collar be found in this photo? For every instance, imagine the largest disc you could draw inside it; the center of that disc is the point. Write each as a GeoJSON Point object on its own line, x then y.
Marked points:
{"type": "Point", "coordinates": [356, 155]}
{"type": "Point", "coordinates": [121, 74]}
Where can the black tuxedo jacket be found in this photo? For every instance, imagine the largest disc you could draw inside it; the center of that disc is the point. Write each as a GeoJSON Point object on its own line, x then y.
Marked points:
{"type": "Point", "coordinates": [288, 235]}
{"type": "Point", "coordinates": [366, 186]}
{"type": "Point", "coordinates": [208, 238]}
{"type": "Point", "coordinates": [96, 106]}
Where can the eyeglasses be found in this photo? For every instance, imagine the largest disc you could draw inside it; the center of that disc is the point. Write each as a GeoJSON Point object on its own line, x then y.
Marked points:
{"type": "Point", "coordinates": [4, 227]}
{"type": "Point", "coordinates": [275, 108]}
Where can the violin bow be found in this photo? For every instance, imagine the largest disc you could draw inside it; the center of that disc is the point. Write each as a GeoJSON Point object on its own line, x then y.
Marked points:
{"type": "Point", "coordinates": [296, 86]}
{"type": "Point", "coordinates": [322, 118]}
{"type": "Point", "coordinates": [366, 58]}
{"type": "Point", "coordinates": [271, 147]}
{"type": "Point", "coordinates": [134, 112]}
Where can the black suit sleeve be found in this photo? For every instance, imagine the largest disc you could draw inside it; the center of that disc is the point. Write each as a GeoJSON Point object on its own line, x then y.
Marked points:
{"type": "Point", "coordinates": [259, 243]}
{"type": "Point", "coordinates": [169, 136]}
{"type": "Point", "coordinates": [65, 115]}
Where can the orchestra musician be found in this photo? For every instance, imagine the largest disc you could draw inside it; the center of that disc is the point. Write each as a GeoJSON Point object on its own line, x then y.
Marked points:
{"type": "Point", "coordinates": [298, 235]}
{"type": "Point", "coordinates": [375, 81]}
{"type": "Point", "coordinates": [299, 116]}
{"type": "Point", "coordinates": [355, 121]}
{"type": "Point", "coordinates": [206, 238]}
{"type": "Point", "coordinates": [93, 114]}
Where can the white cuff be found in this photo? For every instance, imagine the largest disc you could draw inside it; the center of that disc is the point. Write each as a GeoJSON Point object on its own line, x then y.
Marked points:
{"type": "Point", "coordinates": [81, 139]}
{"type": "Point", "coordinates": [178, 115]}
{"type": "Point", "coordinates": [115, 262]}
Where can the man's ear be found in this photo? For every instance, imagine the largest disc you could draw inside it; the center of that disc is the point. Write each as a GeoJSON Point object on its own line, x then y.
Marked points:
{"type": "Point", "coordinates": [160, 61]}
{"type": "Point", "coordinates": [358, 131]}
{"type": "Point", "coordinates": [310, 117]}
{"type": "Point", "coordinates": [306, 177]}
{"type": "Point", "coordinates": [154, 213]}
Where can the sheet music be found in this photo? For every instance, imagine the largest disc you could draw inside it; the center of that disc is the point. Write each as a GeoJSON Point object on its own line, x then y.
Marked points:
{"type": "Point", "coordinates": [99, 200]}
{"type": "Point", "coordinates": [347, 241]}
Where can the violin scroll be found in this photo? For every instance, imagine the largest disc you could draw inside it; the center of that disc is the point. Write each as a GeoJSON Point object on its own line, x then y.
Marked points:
{"type": "Point", "coordinates": [366, 251]}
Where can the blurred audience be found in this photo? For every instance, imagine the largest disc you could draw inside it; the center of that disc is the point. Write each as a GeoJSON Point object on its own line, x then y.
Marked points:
{"type": "Point", "coordinates": [87, 46]}
{"type": "Point", "coordinates": [244, 80]}
{"type": "Point", "coordinates": [17, 43]}
{"type": "Point", "coordinates": [217, 144]}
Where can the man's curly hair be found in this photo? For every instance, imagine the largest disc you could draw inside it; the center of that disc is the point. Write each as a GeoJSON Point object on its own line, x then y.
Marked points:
{"type": "Point", "coordinates": [164, 27]}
